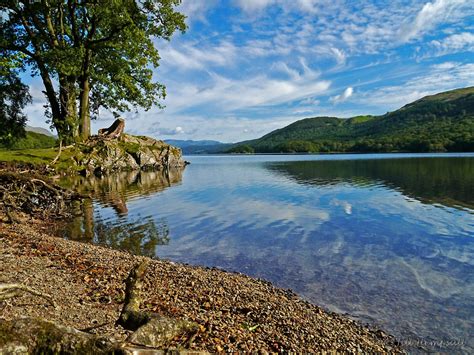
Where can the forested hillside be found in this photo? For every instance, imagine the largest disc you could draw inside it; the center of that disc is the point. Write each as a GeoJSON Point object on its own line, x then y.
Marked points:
{"type": "Point", "coordinates": [441, 122]}
{"type": "Point", "coordinates": [32, 140]}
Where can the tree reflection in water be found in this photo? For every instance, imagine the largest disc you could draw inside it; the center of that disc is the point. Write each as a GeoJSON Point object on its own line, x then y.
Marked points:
{"type": "Point", "coordinates": [137, 237]}
{"type": "Point", "coordinates": [140, 236]}
{"type": "Point", "coordinates": [444, 181]}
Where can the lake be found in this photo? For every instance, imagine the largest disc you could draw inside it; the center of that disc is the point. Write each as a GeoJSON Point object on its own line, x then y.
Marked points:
{"type": "Point", "coordinates": [385, 238]}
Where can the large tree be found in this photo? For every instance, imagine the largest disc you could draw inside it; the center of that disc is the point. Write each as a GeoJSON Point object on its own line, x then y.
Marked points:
{"type": "Point", "coordinates": [90, 54]}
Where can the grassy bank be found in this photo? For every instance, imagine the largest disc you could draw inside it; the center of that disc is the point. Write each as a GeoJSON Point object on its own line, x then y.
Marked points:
{"type": "Point", "coordinates": [37, 157]}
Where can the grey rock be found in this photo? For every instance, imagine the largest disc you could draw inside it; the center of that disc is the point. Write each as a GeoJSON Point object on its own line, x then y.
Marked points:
{"type": "Point", "coordinates": [104, 155]}
{"type": "Point", "coordinates": [160, 331]}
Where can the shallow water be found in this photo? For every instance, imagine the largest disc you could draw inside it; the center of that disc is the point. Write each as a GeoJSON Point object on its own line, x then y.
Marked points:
{"type": "Point", "coordinates": [388, 239]}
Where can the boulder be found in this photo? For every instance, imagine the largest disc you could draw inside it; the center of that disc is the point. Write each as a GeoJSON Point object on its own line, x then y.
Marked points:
{"type": "Point", "coordinates": [102, 155]}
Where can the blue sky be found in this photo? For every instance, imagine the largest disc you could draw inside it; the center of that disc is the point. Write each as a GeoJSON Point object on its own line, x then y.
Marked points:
{"type": "Point", "coordinates": [247, 67]}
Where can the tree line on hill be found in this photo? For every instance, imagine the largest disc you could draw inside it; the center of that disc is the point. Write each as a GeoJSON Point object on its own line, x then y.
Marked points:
{"type": "Point", "coordinates": [438, 123]}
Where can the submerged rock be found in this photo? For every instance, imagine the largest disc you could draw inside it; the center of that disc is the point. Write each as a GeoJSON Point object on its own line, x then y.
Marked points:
{"type": "Point", "coordinates": [103, 155]}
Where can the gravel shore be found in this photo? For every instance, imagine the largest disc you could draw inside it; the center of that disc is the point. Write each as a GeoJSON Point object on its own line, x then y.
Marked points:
{"type": "Point", "coordinates": [234, 312]}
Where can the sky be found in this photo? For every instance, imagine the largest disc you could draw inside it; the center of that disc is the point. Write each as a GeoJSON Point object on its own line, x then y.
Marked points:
{"type": "Point", "coordinates": [246, 67]}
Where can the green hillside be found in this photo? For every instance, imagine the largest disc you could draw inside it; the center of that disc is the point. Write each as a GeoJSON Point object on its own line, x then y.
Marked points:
{"type": "Point", "coordinates": [441, 122]}
{"type": "Point", "coordinates": [32, 140]}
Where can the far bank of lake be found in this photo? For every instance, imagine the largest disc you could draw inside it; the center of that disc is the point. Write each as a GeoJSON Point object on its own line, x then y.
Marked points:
{"type": "Point", "coordinates": [386, 238]}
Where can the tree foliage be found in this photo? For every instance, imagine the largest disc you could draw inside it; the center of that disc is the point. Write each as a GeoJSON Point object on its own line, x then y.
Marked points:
{"type": "Point", "coordinates": [90, 54]}
{"type": "Point", "coordinates": [31, 140]}
{"type": "Point", "coordinates": [14, 96]}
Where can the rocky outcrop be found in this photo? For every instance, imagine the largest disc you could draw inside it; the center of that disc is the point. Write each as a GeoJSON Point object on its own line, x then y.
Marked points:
{"type": "Point", "coordinates": [101, 155]}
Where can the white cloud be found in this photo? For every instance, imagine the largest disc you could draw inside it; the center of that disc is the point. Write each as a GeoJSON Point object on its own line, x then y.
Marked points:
{"type": "Point", "coordinates": [193, 56]}
{"type": "Point", "coordinates": [344, 96]}
{"type": "Point", "coordinates": [454, 43]}
{"type": "Point", "coordinates": [165, 131]}
{"type": "Point", "coordinates": [254, 5]}
{"type": "Point", "coordinates": [240, 94]}
{"type": "Point", "coordinates": [249, 6]}
{"type": "Point", "coordinates": [429, 16]}
{"type": "Point", "coordinates": [339, 55]}
{"type": "Point", "coordinates": [310, 101]}
{"type": "Point", "coordinates": [196, 9]}
{"type": "Point", "coordinates": [284, 68]}
{"type": "Point", "coordinates": [307, 5]}
{"type": "Point", "coordinates": [441, 77]}
{"type": "Point", "coordinates": [226, 94]}
{"type": "Point", "coordinates": [339, 32]}
{"type": "Point", "coordinates": [224, 128]}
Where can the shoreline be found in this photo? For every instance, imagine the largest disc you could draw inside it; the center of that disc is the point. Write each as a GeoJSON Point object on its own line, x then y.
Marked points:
{"type": "Point", "coordinates": [234, 312]}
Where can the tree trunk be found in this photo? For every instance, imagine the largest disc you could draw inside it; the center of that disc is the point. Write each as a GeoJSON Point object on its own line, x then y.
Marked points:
{"type": "Point", "coordinates": [51, 95]}
{"type": "Point", "coordinates": [84, 113]}
{"type": "Point", "coordinates": [68, 99]}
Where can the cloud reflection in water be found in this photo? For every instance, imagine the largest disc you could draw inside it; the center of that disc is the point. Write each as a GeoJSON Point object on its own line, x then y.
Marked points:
{"type": "Point", "coordinates": [390, 241]}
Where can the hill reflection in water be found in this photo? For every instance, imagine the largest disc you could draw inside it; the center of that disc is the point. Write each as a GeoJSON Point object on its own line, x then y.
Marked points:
{"type": "Point", "coordinates": [389, 241]}
{"type": "Point", "coordinates": [444, 181]}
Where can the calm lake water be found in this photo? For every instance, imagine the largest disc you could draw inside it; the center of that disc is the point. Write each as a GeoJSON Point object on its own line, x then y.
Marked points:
{"type": "Point", "coordinates": [388, 239]}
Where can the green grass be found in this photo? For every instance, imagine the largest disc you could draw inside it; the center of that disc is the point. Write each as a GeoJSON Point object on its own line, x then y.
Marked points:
{"type": "Point", "coordinates": [130, 148]}
{"type": "Point", "coordinates": [39, 157]}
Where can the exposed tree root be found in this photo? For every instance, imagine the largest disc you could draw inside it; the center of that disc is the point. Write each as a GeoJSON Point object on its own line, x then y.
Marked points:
{"type": "Point", "coordinates": [114, 131]}
{"type": "Point", "coordinates": [59, 153]}
{"type": "Point", "coordinates": [151, 331]}
{"type": "Point", "coordinates": [14, 290]}
{"type": "Point", "coordinates": [32, 195]}
{"type": "Point", "coordinates": [38, 336]}
{"type": "Point", "coordinates": [131, 317]}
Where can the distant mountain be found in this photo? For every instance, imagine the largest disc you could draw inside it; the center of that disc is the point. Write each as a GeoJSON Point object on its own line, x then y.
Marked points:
{"type": "Point", "coordinates": [441, 122]}
{"type": "Point", "coordinates": [40, 130]}
{"type": "Point", "coordinates": [190, 143]}
{"type": "Point", "coordinates": [198, 147]}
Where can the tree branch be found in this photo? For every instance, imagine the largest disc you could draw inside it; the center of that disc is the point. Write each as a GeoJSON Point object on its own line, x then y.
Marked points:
{"type": "Point", "coordinates": [24, 50]}
{"type": "Point", "coordinates": [49, 25]}
{"type": "Point", "coordinates": [131, 317]}
{"type": "Point", "coordinates": [61, 24]}
{"type": "Point", "coordinates": [110, 36]}
{"type": "Point", "coordinates": [71, 4]}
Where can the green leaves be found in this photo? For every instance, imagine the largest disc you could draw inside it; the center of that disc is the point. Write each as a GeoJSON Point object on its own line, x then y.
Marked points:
{"type": "Point", "coordinates": [14, 96]}
{"type": "Point", "coordinates": [100, 53]}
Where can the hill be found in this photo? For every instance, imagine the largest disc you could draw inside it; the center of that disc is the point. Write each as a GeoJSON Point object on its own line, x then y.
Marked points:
{"type": "Point", "coordinates": [198, 147]}
{"type": "Point", "coordinates": [39, 130]}
{"type": "Point", "coordinates": [441, 122]}
{"type": "Point", "coordinates": [32, 140]}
